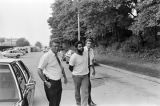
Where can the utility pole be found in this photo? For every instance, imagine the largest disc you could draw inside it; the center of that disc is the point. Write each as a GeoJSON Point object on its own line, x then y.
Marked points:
{"type": "Point", "coordinates": [78, 18]}
{"type": "Point", "coordinates": [78, 25]}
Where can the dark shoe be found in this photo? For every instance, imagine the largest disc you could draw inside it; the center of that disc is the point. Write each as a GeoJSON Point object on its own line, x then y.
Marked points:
{"type": "Point", "coordinates": [92, 104]}
{"type": "Point", "coordinates": [78, 104]}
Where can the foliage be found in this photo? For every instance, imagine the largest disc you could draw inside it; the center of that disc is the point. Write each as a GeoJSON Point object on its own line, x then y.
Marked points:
{"type": "Point", "coordinates": [22, 42]}
{"type": "Point", "coordinates": [108, 22]}
{"type": "Point", "coordinates": [2, 40]}
{"type": "Point", "coordinates": [38, 44]}
{"type": "Point", "coordinates": [97, 18]}
{"type": "Point", "coordinates": [147, 16]}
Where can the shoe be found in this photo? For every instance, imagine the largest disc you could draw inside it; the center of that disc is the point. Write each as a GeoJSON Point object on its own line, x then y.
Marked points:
{"type": "Point", "coordinates": [92, 104]}
{"type": "Point", "coordinates": [78, 104]}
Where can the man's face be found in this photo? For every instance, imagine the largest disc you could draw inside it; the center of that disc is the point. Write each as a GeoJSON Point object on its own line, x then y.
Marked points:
{"type": "Point", "coordinates": [80, 48]}
{"type": "Point", "coordinates": [88, 44]}
{"type": "Point", "coordinates": [55, 47]}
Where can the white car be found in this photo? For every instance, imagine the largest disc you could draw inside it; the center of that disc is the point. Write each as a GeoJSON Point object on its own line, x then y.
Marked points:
{"type": "Point", "coordinates": [11, 54]}
{"type": "Point", "coordinates": [68, 55]}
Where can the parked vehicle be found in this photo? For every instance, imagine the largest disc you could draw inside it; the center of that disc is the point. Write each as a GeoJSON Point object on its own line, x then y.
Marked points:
{"type": "Point", "coordinates": [17, 85]}
{"type": "Point", "coordinates": [68, 55]}
{"type": "Point", "coordinates": [1, 56]}
{"type": "Point", "coordinates": [11, 54]}
{"type": "Point", "coordinates": [22, 52]}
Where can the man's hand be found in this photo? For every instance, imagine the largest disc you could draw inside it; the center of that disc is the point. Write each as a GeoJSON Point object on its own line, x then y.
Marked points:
{"type": "Point", "coordinates": [94, 73]}
{"type": "Point", "coordinates": [48, 84]}
{"type": "Point", "coordinates": [65, 80]}
{"type": "Point", "coordinates": [64, 76]}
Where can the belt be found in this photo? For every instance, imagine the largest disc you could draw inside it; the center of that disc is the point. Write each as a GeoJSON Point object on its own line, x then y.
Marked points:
{"type": "Point", "coordinates": [48, 79]}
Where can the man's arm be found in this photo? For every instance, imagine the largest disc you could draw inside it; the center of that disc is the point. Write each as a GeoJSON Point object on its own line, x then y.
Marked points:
{"type": "Point", "coordinates": [41, 66]}
{"type": "Point", "coordinates": [92, 65]}
{"type": "Point", "coordinates": [41, 75]}
{"type": "Point", "coordinates": [94, 72]}
{"type": "Point", "coordinates": [64, 76]}
{"type": "Point", "coordinates": [72, 62]}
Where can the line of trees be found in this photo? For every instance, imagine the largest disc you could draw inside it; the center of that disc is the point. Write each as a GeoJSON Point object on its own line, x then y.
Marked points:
{"type": "Point", "coordinates": [108, 22]}
{"type": "Point", "coordinates": [22, 42]}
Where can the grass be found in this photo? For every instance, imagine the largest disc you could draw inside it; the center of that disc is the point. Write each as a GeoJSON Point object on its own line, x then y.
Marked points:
{"type": "Point", "coordinates": [133, 65]}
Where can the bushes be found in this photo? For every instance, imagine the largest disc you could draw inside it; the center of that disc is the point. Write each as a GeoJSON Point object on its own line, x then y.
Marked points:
{"type": "Point", "coordinates": [130, 49]}
{"type": "Point", "coordinates": [130, 45]}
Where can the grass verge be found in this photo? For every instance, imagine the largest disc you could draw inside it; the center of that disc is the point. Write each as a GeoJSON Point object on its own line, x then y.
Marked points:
{"type": "Point", "coordinates": [149, 69]}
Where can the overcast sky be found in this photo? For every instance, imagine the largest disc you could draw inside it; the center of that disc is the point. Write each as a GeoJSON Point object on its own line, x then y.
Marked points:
{"type": "Point", "coordinates": [25, 18]}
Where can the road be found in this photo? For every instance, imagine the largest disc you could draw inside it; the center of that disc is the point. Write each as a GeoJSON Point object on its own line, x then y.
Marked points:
{"type": "Point", "coordinates": [110, 88]}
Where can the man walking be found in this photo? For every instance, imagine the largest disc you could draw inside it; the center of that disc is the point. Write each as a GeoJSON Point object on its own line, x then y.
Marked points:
{"type": "Point", "coordinates": [90, 56]}
{"type": "Point", "coordinates": [78, 65]}
{"type": "Point", "coordinates": [50, 71]}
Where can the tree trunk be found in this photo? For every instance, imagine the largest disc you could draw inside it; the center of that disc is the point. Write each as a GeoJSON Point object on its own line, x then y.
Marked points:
{"type": "Point", "coordinates": [155, 37]}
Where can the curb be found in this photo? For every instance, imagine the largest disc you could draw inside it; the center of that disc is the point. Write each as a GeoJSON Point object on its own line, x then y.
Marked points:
{"type": "Point", "coordinates": [152, 79]}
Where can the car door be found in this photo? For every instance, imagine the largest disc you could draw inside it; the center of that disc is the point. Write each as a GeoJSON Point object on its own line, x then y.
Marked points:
{"type": "Point", "coordinates": [25, 87]}
{"type": "Point", "coordinates": [28, 77]}
{"type": "Point", "coordinates": [9, 89]}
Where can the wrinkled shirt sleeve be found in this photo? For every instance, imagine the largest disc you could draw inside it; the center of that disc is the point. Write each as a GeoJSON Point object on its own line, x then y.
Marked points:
{"type": "Point", "coordinates": [72, 60]}
{"type": "Point", "coordinates": [43, 62]}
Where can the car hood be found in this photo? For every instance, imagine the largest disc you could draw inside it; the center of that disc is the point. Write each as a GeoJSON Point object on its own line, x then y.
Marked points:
{"type": "Point", "coordinates": [7, 103]}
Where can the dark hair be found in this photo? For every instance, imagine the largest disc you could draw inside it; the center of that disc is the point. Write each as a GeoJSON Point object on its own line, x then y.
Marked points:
{"type": "Point", "coordinates": [78, 42]}
{"type": "Point", "coordinates": [54, 40]}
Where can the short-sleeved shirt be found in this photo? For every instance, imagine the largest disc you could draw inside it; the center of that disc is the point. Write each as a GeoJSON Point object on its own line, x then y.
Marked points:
{"type": "Point", "coordinates": [91, 53]}
{"type": "Point", "coordinates": [79, 63]}
{"type": "Point", "coordinates": [50, 66]}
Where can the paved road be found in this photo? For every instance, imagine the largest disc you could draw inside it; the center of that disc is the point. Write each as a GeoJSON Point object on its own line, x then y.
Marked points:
{"type": "Point", "coordinates": [110, 88]}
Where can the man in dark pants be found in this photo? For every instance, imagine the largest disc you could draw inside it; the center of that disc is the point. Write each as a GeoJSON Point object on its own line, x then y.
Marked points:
{"type": "Point", "coordinates": [51, 71]}
{"type": "Point", "coordinates": [90, 53]}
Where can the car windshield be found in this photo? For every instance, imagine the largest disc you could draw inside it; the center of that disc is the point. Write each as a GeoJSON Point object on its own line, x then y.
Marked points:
{"type": "Point", "coordinates": [8, 89]}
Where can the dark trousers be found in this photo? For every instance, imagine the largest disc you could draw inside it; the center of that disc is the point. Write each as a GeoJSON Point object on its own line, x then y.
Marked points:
{"type": "Point", "coordinates": [89, 89]}
{"type": "Point", "coordinates": [54, 93]}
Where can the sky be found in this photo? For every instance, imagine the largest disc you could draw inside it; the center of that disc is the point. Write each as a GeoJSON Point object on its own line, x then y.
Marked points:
{"type": "Point", "coordinates": [25, 18]}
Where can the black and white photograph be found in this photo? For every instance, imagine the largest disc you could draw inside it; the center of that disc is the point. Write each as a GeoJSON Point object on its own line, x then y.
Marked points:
{"type": "Point", "coordinates": [79, 52]}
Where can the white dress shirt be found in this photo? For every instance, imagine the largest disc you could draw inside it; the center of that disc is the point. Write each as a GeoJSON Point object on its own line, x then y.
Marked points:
{"type": "Point", "coordinates": [91, 53]}
{"type": "Point", "coordinates": [50, 66]}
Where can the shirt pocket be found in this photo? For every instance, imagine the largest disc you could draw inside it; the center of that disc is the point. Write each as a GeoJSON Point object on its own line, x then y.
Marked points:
{"type": "Point", "coordinates": [52, 62]}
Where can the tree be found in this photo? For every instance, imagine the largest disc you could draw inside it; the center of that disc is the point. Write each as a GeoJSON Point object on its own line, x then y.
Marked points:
{"type": "Point", "coordinates": [146, 23]}
{"type": "Point", "coordinates": [2, 40]}
{"type": "Point", "coordinates": [22, 42]}
{"type": "Point", "coordinates": [38, 44]}
{"type": "Point", "coordinates": [97, 17]}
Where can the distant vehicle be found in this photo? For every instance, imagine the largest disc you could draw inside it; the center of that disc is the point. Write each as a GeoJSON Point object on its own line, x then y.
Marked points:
{"type": "Point", "coordinates": [11, 54]}
{"type": "Point", "coordinates": [68, 55]}
{"type": "Point", "coordinates": [17, 85]}
{"type": "Point", "coordinates": [46, 49]}
{"type": "Point", "coordinates": [21, 51]}
{"type": "Point", "coordinates": [1, 56]}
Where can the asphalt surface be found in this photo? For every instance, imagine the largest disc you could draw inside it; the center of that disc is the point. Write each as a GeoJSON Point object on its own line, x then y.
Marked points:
{"type": "Point", "coordinates": [110, 87]}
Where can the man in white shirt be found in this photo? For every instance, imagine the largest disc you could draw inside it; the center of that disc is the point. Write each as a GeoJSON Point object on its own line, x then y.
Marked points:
{"type": "Point", "coordinates": [51, 71]}
{"type": "Point", "coordinates": [78, 65]}
{"type": "Point", "coordinates": [90, 56]}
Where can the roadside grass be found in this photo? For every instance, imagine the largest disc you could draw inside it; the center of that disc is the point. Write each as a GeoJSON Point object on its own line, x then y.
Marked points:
{"type": "Point", "coordinates": [134, 65]}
